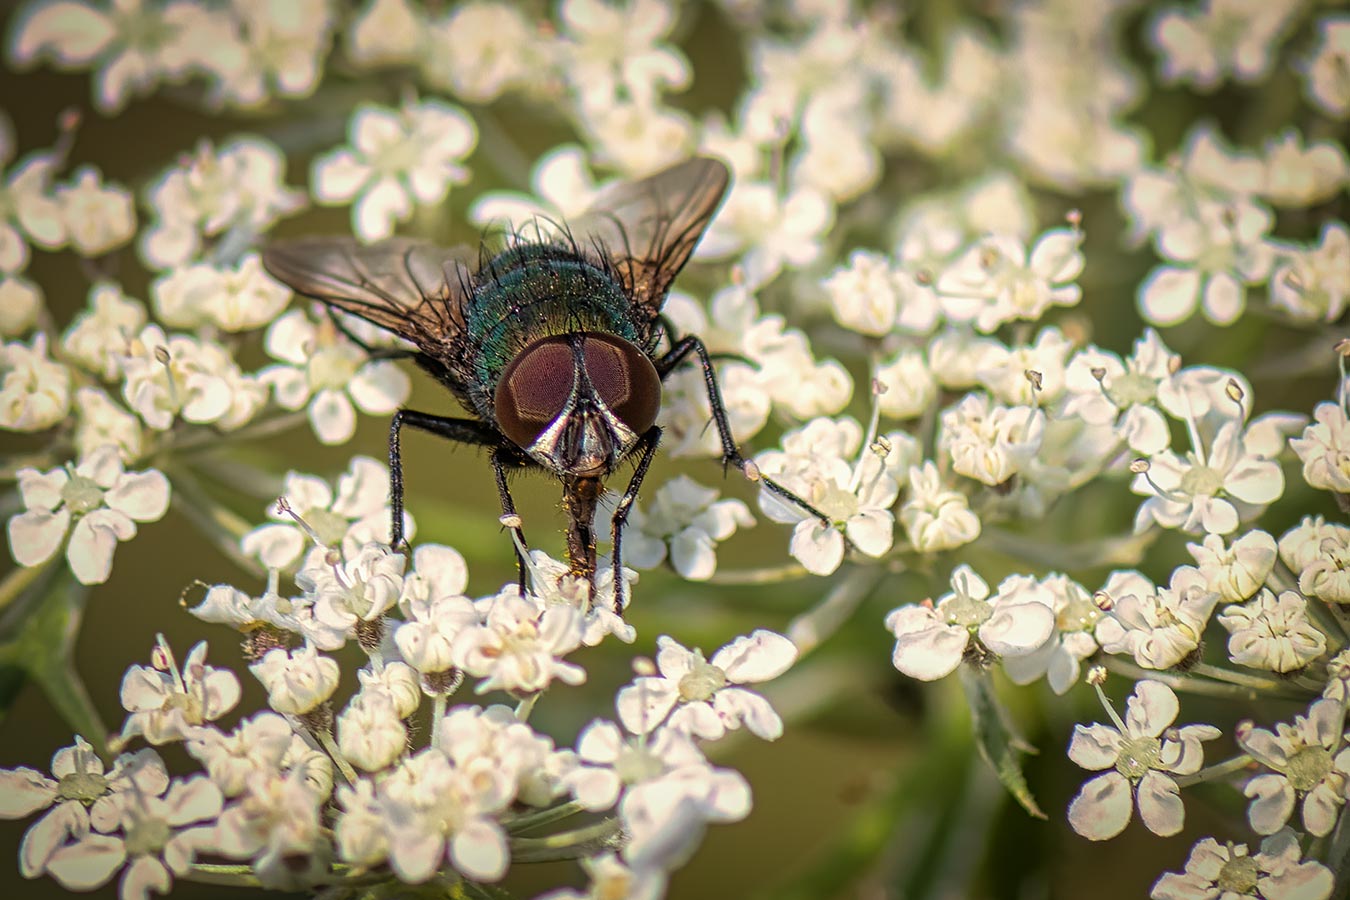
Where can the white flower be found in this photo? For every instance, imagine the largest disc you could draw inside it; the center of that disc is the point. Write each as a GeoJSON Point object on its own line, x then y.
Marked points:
{"type": "Point", "coordinates": [34, 389]}
{"type": "Point", "coordinates": [613, 50]}
{"type": "Point", "coordinates": [1300, 177]}
{"type": "Point", "coordinates": [611, 878]}
{"type": "Point", "coordinates": [1159, 627]}
{"type": "Point", "coordinates": [998, 280]}
{"type": "Point", "coordinates": [704, 697]}
{"type": "Point", "coordinates": [685, 520]}
{"type": "Point", "coordinates": [1143, 752]}
{"type": "Point", "coordinates": [384, 33]}
{"type": "Point", "coordinates": [167, 377]}
{"type": "Point", "coordinates": [521, 645]}
{"type": "Point", "coordinates": [322, 368]}
{"type": "Point", "coordinates": [856, 497]}
{"type": "Point", "coordinates": [98, 498]}
{"type": "Point", "coordinates": [1272, 633]}
{"type": "Point", "coordinates": [1324, 449]}
{"type": "Point", "coordinates": [1004, 372]}
{"type": "Point", "coordinates": [28, 212]}
{"type": "Point", "coordinates": [1327, 85]}
{"type": "Point", "coordinates": [281, 44]}
{"type": "Point", "coordinates": [80, 793]}
{"type": "Point", "coordinates": [932, 640]}
{"type": "Point", "coordinates": [492, 738]}
{"type": "Point", "coordinates": [637, 137]}
{"type": "Point", "coordinates": [1104, 389]}
{"type": "Point", "coordinates": [910, 385]}
{"type": "Point", "coordinates": [370, 733]}
{"type": "Point", "coordinates": [1235, 572]}
{"type": "Point", "coordinates": [1309, 759]}
{"type": "Point", "coordinates": [1312, 284]}
{"type": "Point", "coordinates": [561, 178]}
{"type": "Point", "coordinates": [134, 45]}
{"type": "Point", "coordinates": [771, 231]}
{"type": "Point", "coordinates": [238, 298]}
{"type": "Point", "coordinates": [102, 334]}
{"type": "Point", "coordinates": [1203, 44]}
{"type": "Point", "coordinates": [865, 296]}
{"type": "Point", "coordinates": [1227, 872]}
{"type": "Point", "coordinates": [274, 823]}
{"type": "Point", "coordinates": [252, 751]}
{"type": "Point", "coordinates": [484, 48]}
{"type": "Point", "coordinates": [552, 582]}
{"type": "Point", "coordinates": [99, 420]}
{"type": "Point", "coordinates": [20, 301]}
{"type": "Point", "coordinates": [426, 640]}
{"type": "Point", "coordinates": [935, 516]}
{"type": "Point", "coordinates": [397, 158]}
{"type": "Point", "coordinates": [97, 218]}
{"type": "Point", "coordinates": [351, 595]}
{"type": "Point", "coordinates": [1072, 641]}
{"type": "Point", "coordinates": [167, 704]}
{"type": "Point", "coordinates": [1214, 253]}
{"type": "Point", "coordinates": [354, 512]}
{"type": "Point", "coordinates": [1200, 493]}
{"type": "Point", "coordinates": [1318, 552]}
{"type": "Point", "coordinates": [213, 193]}
{"type": "Point", "coordinates": [991, 443]}
{"type": "Point", "coordinates": [298, 680]}
{"type": "Point", "coordinates": [956, 354]}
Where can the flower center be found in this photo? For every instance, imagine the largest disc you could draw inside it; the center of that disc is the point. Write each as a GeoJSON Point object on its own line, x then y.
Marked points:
{"type": "Point", "coordinates": [83, 786]}
{"type": "Point", "coordinates": [1079, 614]}
{"type": "Point", "coordinates": [834, 501]}
{"type": "Point", "coordinates": [701, 681]}
{"type": "Point", "coordinates": [148, 837]}
{"type": "Point", "coordinates": [1137, 756]}
{"type": "Point", "coordinates": [613, 886]}
{"type": "Point", "coordinates": [966, 611]}
{"type": "Point", "coordinates": [1131, 389]}
{"type": "Point", "coordinates": [81, 495]}
{"type": "Point", "coordinates": [637, 764]}
{"type": "Point", "coordinates": [1238, 876]}
{"type": "Point", "coordinates": [1201, 481]}
{"type": "Point", "coordinates": [333, 367]}
{"type": "Point", "coordinates": [1308, 767]}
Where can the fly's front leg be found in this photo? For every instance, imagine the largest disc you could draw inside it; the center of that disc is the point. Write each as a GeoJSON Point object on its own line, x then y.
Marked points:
{"type": "Point", "coordinates": [647, 444]}
{"type": "Point", "coordinates": [731, 454]}
{"type": "Point", "coordinates": [464, 431]}
{"type": "Point", "coordinates": [510, 518]}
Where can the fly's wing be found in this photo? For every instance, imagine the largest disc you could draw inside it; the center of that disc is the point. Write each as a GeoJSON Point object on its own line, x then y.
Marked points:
{"type": "Point", "coordinates": [412, 288]}
{"type": "Point", "coordinates": [648, 228]}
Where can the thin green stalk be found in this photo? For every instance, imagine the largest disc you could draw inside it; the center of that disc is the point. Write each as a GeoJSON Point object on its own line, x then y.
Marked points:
{"type": "Point", "coordinates": [565, 844]}
{"type": "Point", "coordinates": [1188, 684]}
{"type": "Point", "coordinates": [19, 580]}
{"type": "Point", "coordinates": [768, 575]}
{"type": "Point", "coordinates": [528, 821]}
{"type": "Point", "coordinates": [813, 627]}
{"type": "Point", "coordinates": [1228, 675]}
{"type": "Point", "coordinates": [325, 739]}
{"type": "Point", "coordinates": [1215, 772]}
{"type": "Point", "coordinates": [221, 526]}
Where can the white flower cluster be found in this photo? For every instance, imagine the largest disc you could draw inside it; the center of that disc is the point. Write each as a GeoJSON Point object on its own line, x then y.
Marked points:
{"type": "Point", "coordinates": [920, 203]}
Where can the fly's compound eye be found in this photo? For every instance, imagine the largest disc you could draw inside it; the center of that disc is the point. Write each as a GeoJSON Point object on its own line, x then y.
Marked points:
{"type": "Point", "coordinates": [534, 389]}
{"type": "Point", "coordinates": [624, 379]}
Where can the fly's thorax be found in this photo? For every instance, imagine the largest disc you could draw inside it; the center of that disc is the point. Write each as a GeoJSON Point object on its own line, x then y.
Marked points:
{"type": "Point", "coordinates": [532, 291]}
{"type": "Point", "coordinates": [577, 403]}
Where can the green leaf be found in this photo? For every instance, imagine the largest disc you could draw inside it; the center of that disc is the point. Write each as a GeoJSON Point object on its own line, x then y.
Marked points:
{"type": "Point", "coordinates": [39, 638]}
{"type": "Point", "coordinates": [998, 743]}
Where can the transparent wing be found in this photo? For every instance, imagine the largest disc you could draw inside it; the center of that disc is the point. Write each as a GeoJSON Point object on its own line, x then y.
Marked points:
{"type": "Point", "coordinates": [648, 228]}
{"type": "Point", "coordinates": [413, 288]}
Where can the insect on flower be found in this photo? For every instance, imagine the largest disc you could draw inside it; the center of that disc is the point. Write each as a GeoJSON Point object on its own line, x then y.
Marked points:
{"type": "Point", "coordinates": [553, 345]}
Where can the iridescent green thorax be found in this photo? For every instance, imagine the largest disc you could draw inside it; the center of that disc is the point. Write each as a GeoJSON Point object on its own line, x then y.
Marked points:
{"type": "Point", "coordinates": [529, 292]}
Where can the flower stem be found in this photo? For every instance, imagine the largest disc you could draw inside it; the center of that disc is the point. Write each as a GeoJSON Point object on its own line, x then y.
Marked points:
{"type": "Point", "coordinates": [526, 706]}
{"type": "Point", "coordinates": [438, 701]}
{"type": "Point", "coordinates": [1205, 686]}
{"type": "Point", "coordinates": [769, 575]}
{"type": "Point", "coordinates": [1240, 678]}
{"type": "Point", "coordinates": [566, 844]}
{"type": "Point", "coordinates": [222, 526]}
{"type": "Point", "coordinates": [813, 627]}
{"type": "Point", "coordinates": [325, 739]}
{"type": "Point", "coordinates": [20, 579]}
{"type": "Point", "coordinates": [1214, 772]}
{"type": "Point", "coordinates": [527, 821]}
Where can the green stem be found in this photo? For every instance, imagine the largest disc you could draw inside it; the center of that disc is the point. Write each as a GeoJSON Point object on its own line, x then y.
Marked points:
{"type": "Point", "coordinates": [526, 706]}
{"type": "Point", "coordinates": [1239, 678]}
{"type": "Point", "coordinates": [216, 873]}
{"type": "Point", "coordinates": [1178, 682]}
{"type": "Point", "coordinates": [813, 627]}
{"type": "Point", "coordinates": [19, 580]}
{"type": "Point", "coordinates": [221, 526]}
{"type": "Point", "coordinates": [438, 701]}
{"type": "Point", "coordinates": [566, 844]}
{"type": "Point", "coordinates": [528, 821]}
{"type": "Point", "coordinates": [1214, 772]}
{"type": "Point", "coordinates": [770, 575]}
{"type": "Point", "coordinates": [325, 739]}
{"type": "Point", "coordinates": [210, 439]}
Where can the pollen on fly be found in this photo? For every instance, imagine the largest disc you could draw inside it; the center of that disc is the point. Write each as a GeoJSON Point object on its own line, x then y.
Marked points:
{"type": "Point", "coordinates": [551, 344]}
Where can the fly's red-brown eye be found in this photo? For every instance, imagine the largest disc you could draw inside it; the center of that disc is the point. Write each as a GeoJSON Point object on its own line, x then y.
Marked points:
{"type": "Point", "coordinates": [534, 389]}
{"type": "Point", "coordinates": [624, 379]}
